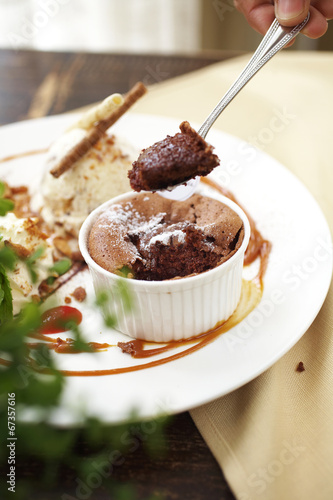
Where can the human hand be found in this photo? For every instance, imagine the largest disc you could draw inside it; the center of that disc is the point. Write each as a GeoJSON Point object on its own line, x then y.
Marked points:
{"type": "Point", "coordinates": [260, 14]}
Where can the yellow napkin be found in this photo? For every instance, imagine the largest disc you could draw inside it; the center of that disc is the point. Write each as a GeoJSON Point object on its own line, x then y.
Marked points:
{"type": "Point", "coordinates": [273, 438]}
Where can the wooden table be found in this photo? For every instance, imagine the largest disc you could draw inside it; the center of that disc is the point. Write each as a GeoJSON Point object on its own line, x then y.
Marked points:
{"type": "Point", "coordinates": [35, 84]}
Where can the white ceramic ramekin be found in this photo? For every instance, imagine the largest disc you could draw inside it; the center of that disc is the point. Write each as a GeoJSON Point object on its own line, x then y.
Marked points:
{"type": "Point", "coordinates": [177, 309]}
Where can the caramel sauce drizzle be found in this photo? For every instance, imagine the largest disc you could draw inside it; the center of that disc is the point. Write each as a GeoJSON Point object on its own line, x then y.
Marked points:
{"type": "Point", "coordinates": [258, 247]}
{"type": "Point", "coordinates": [251, 294]}
{"type": "Point", "coordinates": [23, 155]}
{"type": "Point", "coordinates": [250, 298]}
{"type": "Point", "coordinates": [66, 346]}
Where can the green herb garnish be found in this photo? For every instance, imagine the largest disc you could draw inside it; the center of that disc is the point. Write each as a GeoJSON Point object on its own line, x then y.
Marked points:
{"type": "Point", "coordinates": [61, 267]}
{"type": "Point", "coordinates": [6, 205]}
{"type": "Point", "coordinates": [6, 299]}
{"type": "Point", "coordinates": [37, 385]}
{"type": "Point", "coordinates": [30, 262]}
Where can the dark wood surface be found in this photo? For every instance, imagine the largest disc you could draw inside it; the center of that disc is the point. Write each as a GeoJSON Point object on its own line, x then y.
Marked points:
{"type": "Point", "coordinates": [35, 84]}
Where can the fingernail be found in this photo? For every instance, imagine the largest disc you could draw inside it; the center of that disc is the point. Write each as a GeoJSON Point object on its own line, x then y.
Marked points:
{"type": "Point", "coordinates": [289, 9]}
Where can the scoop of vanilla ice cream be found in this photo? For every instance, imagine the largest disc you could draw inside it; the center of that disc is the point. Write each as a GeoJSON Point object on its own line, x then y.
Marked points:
{"type": "Point", "coordinates": [101, 174]}
{"type": "Point", "coordinates": [24, 237]}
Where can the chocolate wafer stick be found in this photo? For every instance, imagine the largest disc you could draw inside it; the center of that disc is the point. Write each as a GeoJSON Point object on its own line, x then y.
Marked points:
{"type": "Point", "coordinates": [98, 131]}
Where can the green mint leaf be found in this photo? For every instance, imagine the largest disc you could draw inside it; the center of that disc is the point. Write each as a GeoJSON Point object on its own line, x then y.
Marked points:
{"type": "Point", "coordinates": [32, 272]}
{"type": "Point", "coordinates": [124, 292]}
{"type": "Point", "coordinates": [125, 272]}
{"type": "Point", "coordinates": [102, 297]}
{"type": "Point", "coordinates": [30, 262]}
{"type": "Point", "coordinates": [8, 258]}
{"type": "Point", "coordinates": [6, 206]}
{"type": "Point", "coordinates": [6, 299]}
{"type": "Point", "coordinates": [61, 267]}
{"type": "Point", "coordinates": [2, 189]}
{"type": "Point", "coordinates": [110, 321]}
{"type": "Point", "coordinates": [35, 256]}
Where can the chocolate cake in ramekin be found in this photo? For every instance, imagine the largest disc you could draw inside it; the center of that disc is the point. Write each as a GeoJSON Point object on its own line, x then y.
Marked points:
{"type": "Point", "coordinates": [183, 261]}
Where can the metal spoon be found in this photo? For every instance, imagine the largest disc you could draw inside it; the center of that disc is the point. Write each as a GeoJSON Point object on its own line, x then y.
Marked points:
{"type": "Point", "coordinates": [275, 39]}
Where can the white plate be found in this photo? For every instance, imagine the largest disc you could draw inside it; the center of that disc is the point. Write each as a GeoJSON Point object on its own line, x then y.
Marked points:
{"type": "Point", "coordinates": [296, 282]}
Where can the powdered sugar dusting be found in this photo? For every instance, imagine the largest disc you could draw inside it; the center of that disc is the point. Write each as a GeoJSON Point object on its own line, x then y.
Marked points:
{"type": "Point", "coordinates": [161, 239]}
{"type": "Point", "coordinates": [127, 215]}
{"type": "Point", "coordinates": [169, 238]}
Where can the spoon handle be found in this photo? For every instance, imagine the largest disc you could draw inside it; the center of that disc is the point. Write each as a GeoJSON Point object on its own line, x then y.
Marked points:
{"type": "Point", "coordinates": [275, 39]}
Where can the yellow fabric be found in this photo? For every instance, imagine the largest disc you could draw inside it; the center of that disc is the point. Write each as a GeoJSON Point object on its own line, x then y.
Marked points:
{"type": "Point", "coordinates": [273, 438]}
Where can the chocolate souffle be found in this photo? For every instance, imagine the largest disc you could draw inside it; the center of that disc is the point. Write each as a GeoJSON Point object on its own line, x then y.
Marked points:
{"type": "Point", "coordinates": [174, 160]}
{"type": "Point", "coordinates": [158, 239]}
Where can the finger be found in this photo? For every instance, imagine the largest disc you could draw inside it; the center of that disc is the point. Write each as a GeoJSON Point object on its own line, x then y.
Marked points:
{"type": "Point", "coordinates": [291, 12]}
{"type": "Point", "coordinates": [259, 13]}
{"type": "Point", "coordinates": [317, 25]}
{"type": "Point", "coordinates": [325, 7]}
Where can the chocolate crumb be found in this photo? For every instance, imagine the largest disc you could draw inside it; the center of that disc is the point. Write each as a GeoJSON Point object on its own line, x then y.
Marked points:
{"type": "Point", "coordinates": [300, 367]}
{"type": "Point", "coordinates": [79, 294]}
{"type": "Point", "coordinates": [35, 299]}
{"type": "Point", "coordinates": [127, 347]}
